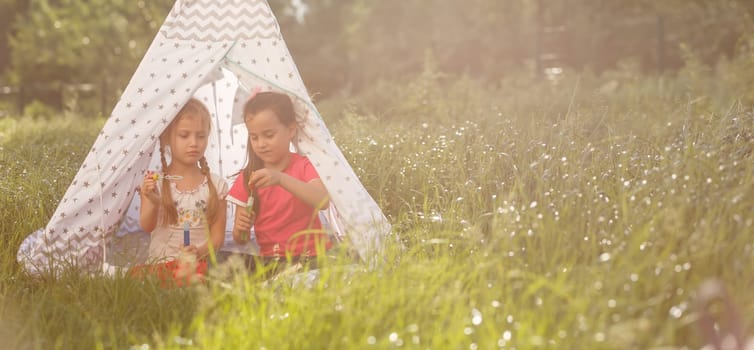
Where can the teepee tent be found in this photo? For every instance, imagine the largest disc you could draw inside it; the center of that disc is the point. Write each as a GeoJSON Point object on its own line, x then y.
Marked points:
{"type": "Point", "coordinates": [217, 51]}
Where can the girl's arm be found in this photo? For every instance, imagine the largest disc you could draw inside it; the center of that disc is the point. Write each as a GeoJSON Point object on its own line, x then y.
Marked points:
{"type": "Point", "coordinates": [149, 203]}
{"type": "Point", "coordinates": [312, 193]}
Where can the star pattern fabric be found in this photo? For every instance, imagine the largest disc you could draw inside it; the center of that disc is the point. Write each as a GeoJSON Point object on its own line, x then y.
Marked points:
{"type": "Point", "coordinates": [216, 51]}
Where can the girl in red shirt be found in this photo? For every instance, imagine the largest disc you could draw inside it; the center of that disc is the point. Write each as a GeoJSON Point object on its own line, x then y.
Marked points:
{"type": "Point", "coordinates": [286, 192]}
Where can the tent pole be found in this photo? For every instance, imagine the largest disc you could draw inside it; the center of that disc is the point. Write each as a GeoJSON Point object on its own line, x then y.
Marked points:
{"type": "Point", "coordinates": [217, 129]}
{"type": "Point", "coordinates": [102, 217]}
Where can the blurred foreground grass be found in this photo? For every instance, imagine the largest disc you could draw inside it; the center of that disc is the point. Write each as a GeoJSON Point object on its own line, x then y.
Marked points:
{"type": "Point", "coordinates": [582, 214]}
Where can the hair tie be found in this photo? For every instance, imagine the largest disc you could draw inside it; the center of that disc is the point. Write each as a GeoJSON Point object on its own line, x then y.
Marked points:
{"type": "Point", "coordinates": [254, 92]}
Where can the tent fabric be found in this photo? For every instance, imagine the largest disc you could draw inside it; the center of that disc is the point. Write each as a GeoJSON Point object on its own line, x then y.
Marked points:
{"type": "Point", "coordinates": [216, 51]}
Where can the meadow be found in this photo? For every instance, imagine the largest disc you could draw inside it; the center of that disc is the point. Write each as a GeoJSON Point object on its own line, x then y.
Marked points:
{"type": "Point", "coordinates": [587, 212]}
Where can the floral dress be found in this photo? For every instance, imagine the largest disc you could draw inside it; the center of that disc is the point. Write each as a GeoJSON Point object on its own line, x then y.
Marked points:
{"type": "Point", "coordinates": [166, 241]}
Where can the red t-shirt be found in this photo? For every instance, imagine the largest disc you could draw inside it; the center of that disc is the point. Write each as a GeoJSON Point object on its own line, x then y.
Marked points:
{"type": "Point", "coordinates": [284, 223]}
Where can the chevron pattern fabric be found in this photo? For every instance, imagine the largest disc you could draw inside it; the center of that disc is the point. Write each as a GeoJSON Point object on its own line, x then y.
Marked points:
{"type": "Point", "coordinates": [213, 20]}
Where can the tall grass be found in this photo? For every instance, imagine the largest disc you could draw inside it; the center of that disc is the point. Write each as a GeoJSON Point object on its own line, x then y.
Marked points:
{"type": "Point", "coordinates": [578, 214]}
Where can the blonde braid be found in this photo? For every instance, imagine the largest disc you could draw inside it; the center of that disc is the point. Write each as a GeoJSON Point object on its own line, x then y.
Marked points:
{"type": "Point", "coordinates": [212, 200]}
{"type": "Point", "coordinates": [169, 212]}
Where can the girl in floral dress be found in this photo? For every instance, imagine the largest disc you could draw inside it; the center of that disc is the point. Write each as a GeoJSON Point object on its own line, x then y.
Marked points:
{"type": "Point", "coordinates": [183, 207]}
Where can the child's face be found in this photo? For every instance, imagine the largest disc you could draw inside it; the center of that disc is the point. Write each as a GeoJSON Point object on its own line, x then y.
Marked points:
{"type": "Point", "coordinates": [269, 138]}
{"type": "Point", "coordinates": [188, 140]}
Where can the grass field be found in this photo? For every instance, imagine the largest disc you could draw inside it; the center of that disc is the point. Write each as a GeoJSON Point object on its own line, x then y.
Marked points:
{"type": "Point", "coordinates": [583, 214]}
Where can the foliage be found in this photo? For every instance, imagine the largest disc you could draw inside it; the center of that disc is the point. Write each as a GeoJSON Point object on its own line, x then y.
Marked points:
{"type": "Point", "coordinates": [346, 46]}
{"type": "Point", "coordinates": [494, 39]}
{"type": "Point", "coordinates": [82, 42]}
{"type": "Point", "coordinates": [8, 9]}
{"type": "Point", "coordinates": [578, 214]}
{"type": "Point", "coordinates": [737, 71]}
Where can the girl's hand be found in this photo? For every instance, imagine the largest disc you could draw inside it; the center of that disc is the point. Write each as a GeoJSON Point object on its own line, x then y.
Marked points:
{"type": "Point", "coordinates": [149, 188]}
{"type": "Point", "coordinates": [190, 249]}
{"type": "Point", "coordinates": [264, 177]}
{"type": "Point", "coordinates": [242, 225]}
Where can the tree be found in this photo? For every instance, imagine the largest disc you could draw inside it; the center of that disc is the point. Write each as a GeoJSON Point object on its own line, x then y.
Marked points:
{"type": "Point", "coordinates": [364, 41]}
{"type": "Point", "coordinates": [95, 42]}
{"type": "Point", "coordinates": [9, 9]}
{"type": "Point", "coordinates": [347, 45]}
